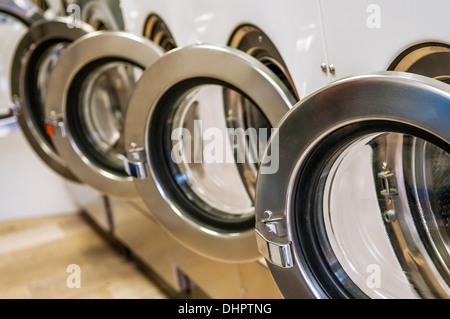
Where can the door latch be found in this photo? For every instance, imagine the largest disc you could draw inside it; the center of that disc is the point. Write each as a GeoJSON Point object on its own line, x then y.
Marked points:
{"type": "Point", "coordinates": [55, 126]}
{"type": "Point", "coordinates": [15, 106]}
{"type": "Point", "coordinates": [277, 250]}
{"type": "Point", "coordinates": [386, 177]}
{"type": "Point", "coordinates": [135, 163]}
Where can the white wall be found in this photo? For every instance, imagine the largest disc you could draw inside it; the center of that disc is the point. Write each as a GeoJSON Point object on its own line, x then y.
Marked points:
{"type": "Point", "coordinates": [28, 187]}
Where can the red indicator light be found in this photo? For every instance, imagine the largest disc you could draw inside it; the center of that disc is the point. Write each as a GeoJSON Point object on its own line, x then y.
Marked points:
{"type": "Point", "coordinates": [49, 128]}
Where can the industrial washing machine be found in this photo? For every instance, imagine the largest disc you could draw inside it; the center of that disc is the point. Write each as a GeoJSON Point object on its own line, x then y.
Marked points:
{"type": "Point", "coordinates": [188, 207]}
{"type": "Point", "coordinates": [167, 23]}
{"type": "Point", "coordinates": [130, 222]}
{"type": "Point", "coordinates": [36, 54]}
{"type": "Point", "coordinates": [359, 205]}
{"type": "Point", "coordinates": [221, 255]}
{"type": "Point", "coordinates": [85, 118]}
{"type": "Point", "coordinates": [18, 160]}
{"type": "Point", "coordinates": [104, 16]}
{"type": "Point", "coordinates": [34, 59]}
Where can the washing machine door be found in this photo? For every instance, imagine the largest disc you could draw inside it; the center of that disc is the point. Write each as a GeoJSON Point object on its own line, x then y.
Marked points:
{"type": "Point", "coordinates": [86, 108]}
{"type": "Point", "coordinates": [193, 137]}
{"type": "Point", "coordinates": [359, 207]}
{"type": "Point", "coordinates": [15, 19]}
{"type": "Point", "coordinates": [24, 11]}
{"type": "Point", "coordinates": [33, 62]}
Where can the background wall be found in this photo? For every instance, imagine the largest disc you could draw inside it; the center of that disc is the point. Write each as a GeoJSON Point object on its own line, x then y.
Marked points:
{"type": "Point", "coordinates": [28, 188]}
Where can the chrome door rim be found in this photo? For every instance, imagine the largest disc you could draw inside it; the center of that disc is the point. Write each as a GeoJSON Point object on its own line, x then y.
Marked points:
{"type": "Point", "coordinates": [95, 46]}
{"type": "Point", "coordinates": [378, 97]}
{"type": "Point", "coordinates": [41, 33]}
{"type": "Point", "coordinates": [222, 64]}
{"type": "Point", "coordinates": [24, 11]}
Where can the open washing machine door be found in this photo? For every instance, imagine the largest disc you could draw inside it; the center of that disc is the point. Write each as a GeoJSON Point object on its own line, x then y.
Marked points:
{"type": "Point", "coordinates": [193, 138]}
{"type": "Point", "coordinates": [15, 20]}
{"type": "Point", "coordinates": [34, 60]}
{"type": "Point", "coordinates": [359, 207]}
{"type": "Point", "coordinates": [86, 109]}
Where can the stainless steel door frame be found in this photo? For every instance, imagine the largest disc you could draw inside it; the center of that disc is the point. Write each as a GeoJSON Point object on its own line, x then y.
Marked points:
{"type": "Point", "coordinates": [41, 35]}
{"type": "Point", "coordinates": [415, 103]}
{"type": "Point", "coordinates": [213, 63]}
{"type": "Point", "coordinates": [98, 46]}
{"type": "Point", "coordinates": [25, 11]}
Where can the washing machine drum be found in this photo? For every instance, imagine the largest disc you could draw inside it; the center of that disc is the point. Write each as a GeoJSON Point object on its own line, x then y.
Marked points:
{"type": "Point", "coordinates": [35, 57]}
{"type": "Point", "coordinates": [193, 141]}
{"type": "Point", "coordinates": [359, 207]}
{"type": "Point", "coordinates": [85, 112]}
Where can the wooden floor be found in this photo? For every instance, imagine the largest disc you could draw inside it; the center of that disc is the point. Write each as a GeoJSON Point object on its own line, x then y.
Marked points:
{"type": "Point", "coordinates": [35, 255]}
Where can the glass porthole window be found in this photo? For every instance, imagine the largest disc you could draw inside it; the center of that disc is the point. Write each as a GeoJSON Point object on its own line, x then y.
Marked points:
{"type": "Point", "coordinates": [100, 96]}
{"type": "Point", "coordinates": [86, 111]}
{"type": "Point", "coordinates": [382, 203]}
{"type": "Point", "coordinates": [45, 63]}
{"type": "Point", "coordinates": [214, 145]}
{"type": "Point", "coordinates": [205, 130]}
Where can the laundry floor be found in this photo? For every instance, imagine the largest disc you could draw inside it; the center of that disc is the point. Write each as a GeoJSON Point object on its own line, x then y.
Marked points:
{"type": "Point", "coordinates": [63, 257]}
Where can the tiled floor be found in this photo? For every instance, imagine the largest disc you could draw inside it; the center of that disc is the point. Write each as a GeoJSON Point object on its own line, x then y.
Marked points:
{"type": "Point", "coordinates": [35, 255]}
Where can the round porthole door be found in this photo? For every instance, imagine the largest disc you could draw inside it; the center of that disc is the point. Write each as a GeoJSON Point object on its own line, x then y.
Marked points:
{"type": "Point", "coordinates": [35, 57]}
{"type": "Point", "coordinates": [15, 20]}
{"type": "Point", "coordinates": [193, 142]}
{"type": "Point", "coordinates": [359, 207]}
{"type": "Point", "coordinates": [85, 114]}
